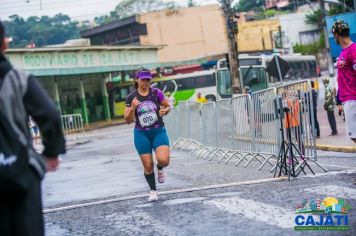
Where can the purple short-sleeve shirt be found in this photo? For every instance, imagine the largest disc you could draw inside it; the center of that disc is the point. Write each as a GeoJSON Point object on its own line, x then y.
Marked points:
{"type": "Point", "coordinates": [147, 112]}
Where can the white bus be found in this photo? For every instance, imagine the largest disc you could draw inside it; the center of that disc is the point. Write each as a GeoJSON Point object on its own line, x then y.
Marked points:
{"type": "Point", "coordinates": [253, 72]}
{"type": "Point", "coordinates": [186, 86]}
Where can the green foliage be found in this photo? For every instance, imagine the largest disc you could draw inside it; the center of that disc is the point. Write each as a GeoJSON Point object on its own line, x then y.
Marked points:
{"type": "Point", "coordinates": [314, 18]}
{"type": "Point", "coordinates": [336, 9]}
{"type": "Point", "coordinates": [128, 8]}
{"type": "Point", "coordinates": [270, 13]}
{"type": "Point", "coordinates": [248, 5]}
{"type": "Point", "coordinates": [42, 31]}
{"type": "Point", "coordinates": [311, 49]}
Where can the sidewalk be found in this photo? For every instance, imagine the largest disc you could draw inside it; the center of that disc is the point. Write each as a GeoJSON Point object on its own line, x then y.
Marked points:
{"type": "Point", "coordinates": [103, 124]}
{"type": "Point", "coordinates": [338, 143]}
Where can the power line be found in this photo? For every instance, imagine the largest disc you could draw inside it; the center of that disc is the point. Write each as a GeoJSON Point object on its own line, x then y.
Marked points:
{"type": "Point", "coordinates": [23, 1]}
{"type": "Point", "coordinates": [55, 5]}
{"type": "Point", "coordinates": [70, 1]}
{"type": "Point", "coordinates": [98, 14]}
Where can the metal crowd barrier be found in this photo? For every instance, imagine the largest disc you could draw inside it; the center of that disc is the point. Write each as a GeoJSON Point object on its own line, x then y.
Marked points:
{"type": "Point", "coordinates": [298, 122]}
{"type": "Point", "coordinates": [209, 124]}
{"type": "Point", "coordinates": [171, 124]}
{"type": "Point", "coordinates": [246, 128]}
{"type": "Point", "coordinates": [266, 138]}
{"type": "Point", "coordinates": [72, 124]}
{"type": "Point", "coordinates": [195, 121]}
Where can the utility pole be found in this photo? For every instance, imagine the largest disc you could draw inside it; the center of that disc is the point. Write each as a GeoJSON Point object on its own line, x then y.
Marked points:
{"type": "Point", "coordinates": [326, 35]}
{"type": "Point", "coordinates": [232, 30]}
{"type": "Point", "coordinates": [28, 1]}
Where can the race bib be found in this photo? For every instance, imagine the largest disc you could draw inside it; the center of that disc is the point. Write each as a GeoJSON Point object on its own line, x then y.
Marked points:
{"type": "Point", "coordinates": [148, 119]}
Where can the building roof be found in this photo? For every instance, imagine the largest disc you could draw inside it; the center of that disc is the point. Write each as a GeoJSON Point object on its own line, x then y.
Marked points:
{"type": "Point", "coordinates": [110, 26]}
{"type": "Point", "coordinates": [89, 48]}
{"type": "Point", "coordinates": [82, 60]}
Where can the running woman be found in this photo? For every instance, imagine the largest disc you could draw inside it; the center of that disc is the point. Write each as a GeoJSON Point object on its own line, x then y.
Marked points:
{"type": "Point", "coordinates": [147, 106]}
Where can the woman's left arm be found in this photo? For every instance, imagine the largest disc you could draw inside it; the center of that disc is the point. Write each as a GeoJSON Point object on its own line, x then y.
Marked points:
{"type": "Point", "coordinates": [165, 108]}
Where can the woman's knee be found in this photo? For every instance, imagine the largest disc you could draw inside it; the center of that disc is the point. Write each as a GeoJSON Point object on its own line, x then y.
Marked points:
{"type": "Point", "coordinates": [148, 169]}
{"type": "Point", "coordinates": [147, 163]}
{"type": "Point", "coordinates": [164, 162]}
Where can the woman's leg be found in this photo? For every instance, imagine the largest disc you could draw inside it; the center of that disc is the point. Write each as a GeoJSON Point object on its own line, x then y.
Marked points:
{"type": "Point", "coordinates": [144, 148]}
{"type": "Point", "coordinates": [147, 162]}
{"type": "Point", "coordinates": [161, 147]}
{"type": "Point", "coordinates": [162, 151]}
{"type": "Point", "coordinates": [163, 156]}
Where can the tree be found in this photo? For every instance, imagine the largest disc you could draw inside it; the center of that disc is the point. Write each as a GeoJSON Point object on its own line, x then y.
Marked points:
{"type": "Point", "coordinates": [336, 9]}
{"type": "Point", "coordinates": [315, 18]}
{"type": "Point", "coordinates": [42, 31]}
{"type": "Point", "coordinates": [248, 5]}
{"type": "Point", "coordinates": [129, 8]}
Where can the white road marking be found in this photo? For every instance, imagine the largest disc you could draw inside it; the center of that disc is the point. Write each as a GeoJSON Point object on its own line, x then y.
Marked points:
{"type": "Point", "coordinates": [334, 191]}
{"type": "Point", "coordinates": [144, 205]}
{"type": "Point", "coordinates": [338, 166]}
{"type": "Point", "coordinates": [217, 186]}
{"type": "Point", "coordinates": [255, 211]}
{"type": "Point", "coordinates": [227, 194]}
{"type": "Point", "coordinates": [194, 189]}
{"type": "Point", "coordinates": [182, 201]}
{"type": "Point", "coordinates": [338, 172]}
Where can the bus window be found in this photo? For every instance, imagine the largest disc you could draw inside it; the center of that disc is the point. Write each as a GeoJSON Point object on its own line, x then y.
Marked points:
{"type": "Point", "coordinates": [204, 81]}
{"type": "Point", "coordinates": [254, 77]}
{"type": "Point", "coordinates": [306, 70]}
{"type": "Point", "coordinates": [186, 83]}
{"type": "Point", "coordinates": [312, 68]}
{"type": "Point", "coordinates": [224, 84]}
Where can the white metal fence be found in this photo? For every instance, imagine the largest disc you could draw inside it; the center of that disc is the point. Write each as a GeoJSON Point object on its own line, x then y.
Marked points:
{"type": "Point", "coordinates": [247, 128]}
{"type": "Point", "coordinates": [72, 124]}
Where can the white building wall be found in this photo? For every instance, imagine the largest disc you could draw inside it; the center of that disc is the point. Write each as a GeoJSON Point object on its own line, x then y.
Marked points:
{"type": "Point", "coordinates": [292, 24]}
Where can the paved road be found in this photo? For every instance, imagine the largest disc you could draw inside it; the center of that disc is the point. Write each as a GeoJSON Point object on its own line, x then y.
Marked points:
{"type": "Point", "coordinates": [107, 168]}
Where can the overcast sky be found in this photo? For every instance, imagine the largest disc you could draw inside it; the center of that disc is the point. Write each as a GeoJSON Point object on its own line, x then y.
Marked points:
{"type": "Point", "coordinates": [79, 10]}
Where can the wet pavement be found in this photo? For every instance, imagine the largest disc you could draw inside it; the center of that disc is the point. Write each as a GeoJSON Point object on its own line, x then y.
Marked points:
{"type": "Point", "coordinates": [108, 168]}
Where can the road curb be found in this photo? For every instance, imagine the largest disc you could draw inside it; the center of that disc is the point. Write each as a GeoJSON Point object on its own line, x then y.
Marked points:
{"type": "Point", "coordinates": [331, 148]}
{"type": "Point", "coordinates": [70, 145]}
{"type": "Point", "coordinates": [104, 125]}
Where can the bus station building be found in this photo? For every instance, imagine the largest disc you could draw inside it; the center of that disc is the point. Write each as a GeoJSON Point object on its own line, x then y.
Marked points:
{"type": "Point", "coordinates": [79, 78]}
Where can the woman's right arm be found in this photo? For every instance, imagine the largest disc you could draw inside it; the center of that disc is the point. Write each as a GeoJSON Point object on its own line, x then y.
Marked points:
{"type": "Point", "coordinates": [129, 114]}
{"type": "Point", "coordinates": [131, 104]}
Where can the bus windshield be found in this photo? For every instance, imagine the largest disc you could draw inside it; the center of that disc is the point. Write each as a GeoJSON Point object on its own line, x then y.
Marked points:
{"type": "Point", "coordinates": [254, 77]}
{"type": "Point", "coordinates": [223, 82]}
